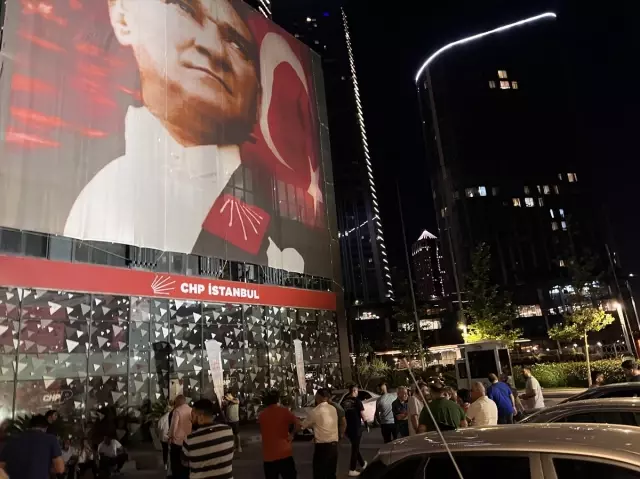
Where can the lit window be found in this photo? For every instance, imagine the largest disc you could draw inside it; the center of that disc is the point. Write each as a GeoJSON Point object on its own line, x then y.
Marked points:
{"type": "Point", "coordinates": [551, 213]}
{"type": "Point", "coordinates": [527, 191]}
{"type": "Point", "coordinates": [529, 203]}
{"type": "Point", "coordinates": [560, 176]}
{"type": "Point", "coordinates": [494, 191]}
{"type": "Point", "coordinates": [477, 191]}
{"type": "Point", "coordinates": [561, 212]}
{"type": "Point", "coordinates": [492, 84]}
{"type": "Point", "coordinates": [564, 226]}
{"type": "Point", "coordinates": [502, 73]}
{"type": "Point", "coordinates": [308, 19]}
{"type": "Point", "coordinates": [539, 189]}
{"type": "Point", "coordinates": [556, 189]}
{"type": "Point", "coordinates": [561, 263]}
{"type": "Point", "coordinates": [572, 177]}
{"type": "Point", "coordinates": [514, 85]}
{"type": "Point", "coordinates": [505, 85]}
{"type": "Point", "coordinates": [540, 201]}
{"type": "Point", "coordinates": [554, 226]}
{"type": "Point", "coordinates": [529, 311]}
{"type": "Point", "coordinates": [516, 202]}
{"type": "Point", "coordinates": [546, 189]}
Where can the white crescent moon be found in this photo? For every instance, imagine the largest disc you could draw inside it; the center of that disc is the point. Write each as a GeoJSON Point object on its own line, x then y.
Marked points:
{"type": "Point", "coordinates": [274, 51]}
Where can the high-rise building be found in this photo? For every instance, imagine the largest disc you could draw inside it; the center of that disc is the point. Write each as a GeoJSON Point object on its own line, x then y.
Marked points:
{"type": "Point", "coordinates": [499, 119]}
{"type": "Point", "coordinates": [365, 265]}
{"type": "Point", "coordinates": [426, 259]}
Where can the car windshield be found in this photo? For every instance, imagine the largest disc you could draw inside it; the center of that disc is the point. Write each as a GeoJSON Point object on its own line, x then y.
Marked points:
{"type": "Point", "coordinates": [336, 397]}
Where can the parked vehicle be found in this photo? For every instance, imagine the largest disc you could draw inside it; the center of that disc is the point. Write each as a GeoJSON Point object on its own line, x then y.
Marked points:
{"type": "Point", "coordinates": [534, 451]}
{"type": "Point", "coordinates": [368, 399]}
{"type": "Point", "coordinates": [619, 390]}
{"type": "Point", "coordinates": [602, 411]}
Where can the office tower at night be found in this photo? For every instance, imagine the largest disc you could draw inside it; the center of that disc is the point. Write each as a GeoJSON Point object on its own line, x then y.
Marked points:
{"type": "Point", "coordinates": [504, 168]}
{"type": "Point", "coordinates": [426, 259]}
{"type": "Point", "coordinates": [365, 267]}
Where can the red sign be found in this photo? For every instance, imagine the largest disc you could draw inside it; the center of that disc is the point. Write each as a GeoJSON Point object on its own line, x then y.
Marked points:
{"type": "Point", "coordinates": [26, 272]}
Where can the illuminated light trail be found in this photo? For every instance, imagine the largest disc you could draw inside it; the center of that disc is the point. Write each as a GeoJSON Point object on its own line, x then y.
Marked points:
{"type": "Point", "coordinates": [481, 35]}
{"type": "Point", "coordinates": [365, 146]}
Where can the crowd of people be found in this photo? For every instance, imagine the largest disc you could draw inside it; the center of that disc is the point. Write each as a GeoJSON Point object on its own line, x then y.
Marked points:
{"type": "Point", "coordinates": [41, 452]}
{"type": "Point", "coordinates": [199, 441]}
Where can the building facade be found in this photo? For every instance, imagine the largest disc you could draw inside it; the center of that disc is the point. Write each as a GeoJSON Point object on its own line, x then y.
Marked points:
{"type": "Point", "coordinates": [365, 267]}
{"type": "Point", "coordinates": [504, 167]}
{"type": "Point", "coordinates": [426, 259]}
{"type": "Point", "coordinates": [120, 316]}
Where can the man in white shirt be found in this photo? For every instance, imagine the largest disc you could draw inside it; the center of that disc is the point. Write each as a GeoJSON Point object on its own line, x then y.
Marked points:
{"type": "Point", "coordinates": [532, 398]}
{"type": "Point", "coordinates": [323, 419]}
{"type": "Point", "coordinates": [483, 411]}
{"type": "Point", "coordinates": [111, 455]}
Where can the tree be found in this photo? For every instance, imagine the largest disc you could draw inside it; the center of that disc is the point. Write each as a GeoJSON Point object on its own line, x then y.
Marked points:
{"type": "Point", "coordinates": [367, 366]}
{"type": "Point", "coordinates": [404, 313]}
{"type": "Point", "coordinates": [490, 311]}
{"type": "Point", "coordinates": [411, 347]}
{"type": "Point", "coordinates": [578, 324]}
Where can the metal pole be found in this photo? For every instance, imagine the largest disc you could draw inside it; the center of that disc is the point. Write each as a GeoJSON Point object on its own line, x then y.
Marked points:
{"type": "Point", "coordinates": [633, 303]}
{"type": "Point", "coordinates": [624, 321]}
{"type": "Point", "coordinates": [413, 296]}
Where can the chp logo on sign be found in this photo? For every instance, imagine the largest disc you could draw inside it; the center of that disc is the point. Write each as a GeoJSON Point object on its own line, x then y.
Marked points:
{"type": "Point", "coordinates": [162, 285]}
{"type": "Point", "coordinates": [57, 397]}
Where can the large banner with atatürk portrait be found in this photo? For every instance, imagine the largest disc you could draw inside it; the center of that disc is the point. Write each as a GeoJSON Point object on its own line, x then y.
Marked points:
{"type": "Point", "coordinates": [190, 126]}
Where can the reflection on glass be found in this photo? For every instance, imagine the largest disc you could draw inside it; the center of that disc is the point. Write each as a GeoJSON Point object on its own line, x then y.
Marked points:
{"type": "Point", "coordinates": [81, 353]}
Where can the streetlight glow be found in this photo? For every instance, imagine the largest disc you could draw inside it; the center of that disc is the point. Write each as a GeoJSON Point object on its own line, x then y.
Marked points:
{"type": "Point", "coordinates": [480, 35]}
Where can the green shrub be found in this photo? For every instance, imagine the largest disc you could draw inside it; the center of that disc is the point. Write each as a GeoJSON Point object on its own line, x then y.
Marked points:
{"type": "Point", "coordinates": [574, 374]}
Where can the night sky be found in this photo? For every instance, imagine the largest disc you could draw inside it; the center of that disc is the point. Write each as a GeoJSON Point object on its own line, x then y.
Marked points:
{"type": "Point", "coordinates": [601, 46]}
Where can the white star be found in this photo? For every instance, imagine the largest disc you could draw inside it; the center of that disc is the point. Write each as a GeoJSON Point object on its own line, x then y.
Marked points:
{"type": "Point", "coordinates": [314, 186]}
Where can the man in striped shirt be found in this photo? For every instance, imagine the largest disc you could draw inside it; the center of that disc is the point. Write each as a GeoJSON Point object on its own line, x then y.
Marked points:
{"type": "Point", "coordinates": [208, 451]}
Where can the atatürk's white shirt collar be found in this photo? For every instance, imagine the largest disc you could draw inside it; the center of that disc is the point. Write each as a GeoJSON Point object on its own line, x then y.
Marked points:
{"type": "Point", "coordinates": [158, 194]}
{"type": "Point", "coordinates": [216, 163]}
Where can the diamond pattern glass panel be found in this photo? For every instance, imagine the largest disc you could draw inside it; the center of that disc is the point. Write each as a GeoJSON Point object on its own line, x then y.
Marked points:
{"type": "Point", "coordinates": [81, 353]}
{"type": "Point", "coordinates": [109, 343]}
{"type": "Point", "coordinates": [66, 395]}
{"type": "Point", "coordinates": [106, 391]}
{"type": "Point", "coordinates": [223, 323]}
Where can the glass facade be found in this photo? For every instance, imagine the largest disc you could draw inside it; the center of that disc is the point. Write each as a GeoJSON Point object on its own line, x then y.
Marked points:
{"type": "Point", "coordinates": [78, 352]}
{"type": "Point", "coordinates": [60, 248]}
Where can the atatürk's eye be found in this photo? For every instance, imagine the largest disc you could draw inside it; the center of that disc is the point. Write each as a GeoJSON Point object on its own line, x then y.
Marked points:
{"type": "Point", "coordinates": [184, 5]}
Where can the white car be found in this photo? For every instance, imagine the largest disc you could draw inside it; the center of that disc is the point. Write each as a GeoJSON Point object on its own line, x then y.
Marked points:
{"type": "Point", "coordinates": [533, 451]}
{"type": "Point", "coordinates": [368, 399]}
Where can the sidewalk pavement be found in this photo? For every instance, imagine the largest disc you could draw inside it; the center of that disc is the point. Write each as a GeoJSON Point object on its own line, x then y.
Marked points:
{"type": "Point", "coordinates": [147, 458]}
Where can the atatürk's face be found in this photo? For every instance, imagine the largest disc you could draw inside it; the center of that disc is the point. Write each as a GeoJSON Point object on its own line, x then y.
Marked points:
{"type": "Point", "coordinates": [197, 62]}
